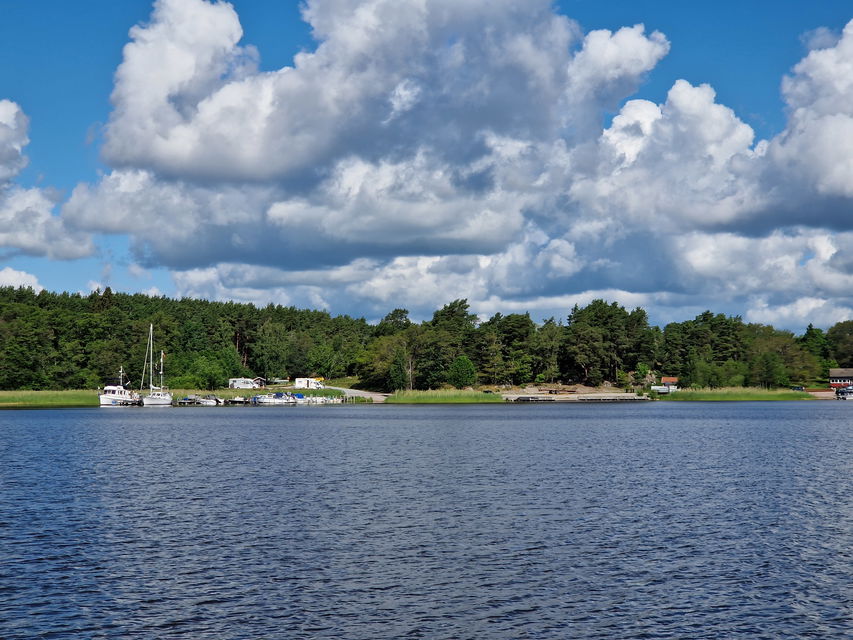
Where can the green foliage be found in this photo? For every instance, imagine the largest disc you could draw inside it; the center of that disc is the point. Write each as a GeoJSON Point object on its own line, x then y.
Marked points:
{"type": "Point", "coordinates": [815, 341]}
{"type": "Point", "coordinates": [462, 373]}
{"type": "Point", "coordinates": [776, 359]}
{"type": "Point", "coordinates": [388, 362]}
{"type": "Point", "coordinates": [641, 373]}
{"type": "Point", "coordinates": [398, 372]}
{"type": "Point", "coordinates": [601, 338]}
{"type": "Point", "coordinates": [840, 342]}
{"type": "Point", "coordinates": [63, 341]}
{"type": "Point", "coordinates": [271, 350]}
{"type": "Point", "coordinates": [694, 350]}
{"type": "Point", "coordinates": [455, 319]}
{"type": "Point", "coordinates": [60, 341]}
{"type": "Point", "coordinates": [436, 350]}
{"type": "Point", "coordinates": [545, 351]}
{"type": "Point", "coordinates": [393, 323]}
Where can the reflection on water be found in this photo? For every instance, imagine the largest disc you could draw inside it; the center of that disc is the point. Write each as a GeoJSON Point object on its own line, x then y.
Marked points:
{"type": "Point", "coordinates": [556, 521]}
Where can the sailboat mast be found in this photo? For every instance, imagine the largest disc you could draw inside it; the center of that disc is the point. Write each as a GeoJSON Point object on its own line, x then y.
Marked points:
{"type": "Point", "coordinates": [151, 356]}
{"type": "Point", "coordinates": [144, 366]}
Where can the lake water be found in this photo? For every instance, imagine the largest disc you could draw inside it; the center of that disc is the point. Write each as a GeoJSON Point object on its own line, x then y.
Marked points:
{"type": "Point", "coordinates": [656, 520]}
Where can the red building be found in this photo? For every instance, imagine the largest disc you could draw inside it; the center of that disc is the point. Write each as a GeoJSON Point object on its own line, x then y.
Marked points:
{"type": "Point", "coordinates": [840, 378]}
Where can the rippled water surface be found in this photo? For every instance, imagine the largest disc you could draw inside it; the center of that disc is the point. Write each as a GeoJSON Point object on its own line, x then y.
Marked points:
{"type": "Point", "coordinates": [547, 521]}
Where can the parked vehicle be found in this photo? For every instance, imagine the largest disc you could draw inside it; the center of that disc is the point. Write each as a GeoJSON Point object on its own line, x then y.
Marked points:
{"type": "Point", "coordinates": [307, 383]}
{"type": "Point", "coordinates": [841, 393]}
{"type": "Point", "coordinates": [245, 383]}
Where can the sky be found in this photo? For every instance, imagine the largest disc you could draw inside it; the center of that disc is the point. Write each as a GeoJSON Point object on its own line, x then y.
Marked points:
{"type": "Point", "coordinates": [365, 155]}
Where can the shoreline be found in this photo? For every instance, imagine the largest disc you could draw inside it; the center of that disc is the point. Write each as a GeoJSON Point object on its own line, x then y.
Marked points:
{"type": "Point", "coordinates": [88, 398]}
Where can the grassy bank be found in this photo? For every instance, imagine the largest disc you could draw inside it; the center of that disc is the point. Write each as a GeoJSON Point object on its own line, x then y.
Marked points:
{"type": "Point", "coordinates": [443, 396]}
{"type": "Point", "coordinates": [48, 399]}
{"type": "Point", "coordinates": [735, 394]}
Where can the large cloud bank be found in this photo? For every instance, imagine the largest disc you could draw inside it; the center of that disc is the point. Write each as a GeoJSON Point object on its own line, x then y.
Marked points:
{"type": "Point", "coordinates": [426, 151]}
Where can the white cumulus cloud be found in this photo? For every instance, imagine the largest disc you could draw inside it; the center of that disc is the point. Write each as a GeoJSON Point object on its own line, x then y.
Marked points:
{"type": "Point", "coordinates": [425, 151]}
{"type": "Point", "coordinates": [13, 278]}
{"type": "Point", "coordinates": [13, 138]}
{"type": "Point", "coordinates": [27, 223]}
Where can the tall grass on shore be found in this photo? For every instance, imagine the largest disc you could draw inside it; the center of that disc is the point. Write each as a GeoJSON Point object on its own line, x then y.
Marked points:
{"type": "Point", "coordinates": [443, 396]}
{"type": "Point", "coordinates": [47, 399]}
{"type": "Point", "coordinates": [735, 394]}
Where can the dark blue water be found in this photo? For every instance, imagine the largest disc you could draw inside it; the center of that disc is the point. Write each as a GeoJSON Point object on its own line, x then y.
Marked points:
{"type": "Point", "coordinates": [547, 521]}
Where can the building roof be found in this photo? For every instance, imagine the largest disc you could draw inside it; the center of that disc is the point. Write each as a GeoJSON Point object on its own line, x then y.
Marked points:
{"type": "Point", "coordinates": [669, 379]}
{"type": "Point", "coordinates": [841, 373]}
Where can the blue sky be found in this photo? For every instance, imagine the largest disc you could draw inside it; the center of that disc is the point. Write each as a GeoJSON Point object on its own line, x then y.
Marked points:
{"type": "Point", "coordinates": [422, 152]}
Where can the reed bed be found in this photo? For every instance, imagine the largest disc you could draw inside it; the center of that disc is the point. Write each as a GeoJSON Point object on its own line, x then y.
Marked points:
{"type": "Point", "coordinates": [47, 399]}
{"type": "Point", "coordinates": [443, 396]}
{"type": "Point", "coordinates": [735, 394]}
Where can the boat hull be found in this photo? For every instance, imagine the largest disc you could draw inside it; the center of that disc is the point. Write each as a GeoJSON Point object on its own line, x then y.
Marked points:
{"type": "Point", "coordinates": [157, 399]}
{"type": "Point", "coordinates": [116, 396]}
{"type": "Point", "coordinates": [274, 399]}
{"type": "Point", "coordinates": [115, 402]}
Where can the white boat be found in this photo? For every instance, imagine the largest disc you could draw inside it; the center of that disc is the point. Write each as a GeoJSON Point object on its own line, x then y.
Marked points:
{"type": "Point", "coordinates": [274, 399]}
{"type": "Point", "coordinates": [117, 395]}
{"type": "Point", "coordinates": [157, 396]}
{"type": "Point", "coordinates": [210, 401]}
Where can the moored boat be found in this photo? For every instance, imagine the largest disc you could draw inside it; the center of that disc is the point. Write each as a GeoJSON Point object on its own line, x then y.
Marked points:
{"type": "Point", "coordinates": [117, 395]}
{"type": "Point", "coordinates": [158, 396]}
{"type": "Point", "coordinates": [278, 398]}
{"type": "Point", "coordinates": [200, 401]}
{"type": "Point", "coordinates": [286, 398]}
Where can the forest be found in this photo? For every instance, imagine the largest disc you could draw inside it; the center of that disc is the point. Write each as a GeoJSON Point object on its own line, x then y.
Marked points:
{"type": "Point", "coordinates": [73, 341]}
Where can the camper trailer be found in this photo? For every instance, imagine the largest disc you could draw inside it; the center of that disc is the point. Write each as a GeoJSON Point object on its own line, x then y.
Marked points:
{"type": "Point", "coordinates": [245, 383]}
{"type": "Point", "coordinates": [307, 383]}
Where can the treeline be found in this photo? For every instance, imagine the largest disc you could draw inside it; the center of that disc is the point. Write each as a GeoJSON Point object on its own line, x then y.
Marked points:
{"type": "Point", "coordinates": [65, 341]}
